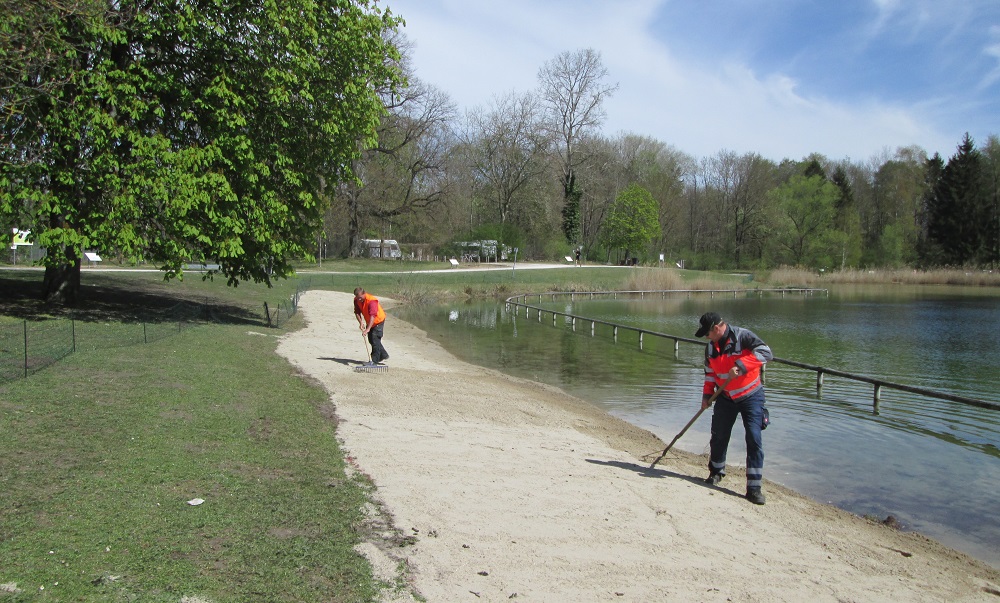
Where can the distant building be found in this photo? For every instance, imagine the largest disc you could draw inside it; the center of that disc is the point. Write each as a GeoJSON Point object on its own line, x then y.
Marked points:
{"type": "Point", "coordinates": [378, 248]}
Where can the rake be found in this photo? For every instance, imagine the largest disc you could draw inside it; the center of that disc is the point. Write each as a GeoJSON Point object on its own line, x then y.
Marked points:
{"type": "Point", "coordinates": [370, 367]}
{"type": "Point", "coordinates": [689, 424]}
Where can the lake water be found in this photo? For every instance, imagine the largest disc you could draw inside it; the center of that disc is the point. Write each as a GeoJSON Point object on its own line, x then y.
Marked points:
{"type": "Point", "coordinates": [932, 464]}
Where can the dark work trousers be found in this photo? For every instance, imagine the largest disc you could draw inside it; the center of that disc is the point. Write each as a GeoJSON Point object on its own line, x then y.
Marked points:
{"type": "Point", "coordinates": [375, 338]}
{"type": "Point", "coordinates": [723, 418]}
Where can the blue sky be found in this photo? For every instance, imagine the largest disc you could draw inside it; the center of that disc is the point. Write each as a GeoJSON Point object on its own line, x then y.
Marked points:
{"type": "Point", "coordinates": [784, 78]}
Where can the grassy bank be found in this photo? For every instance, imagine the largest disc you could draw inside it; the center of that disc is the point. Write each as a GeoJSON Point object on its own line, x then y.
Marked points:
{"type": "Point", "coordinates": [101, 453]}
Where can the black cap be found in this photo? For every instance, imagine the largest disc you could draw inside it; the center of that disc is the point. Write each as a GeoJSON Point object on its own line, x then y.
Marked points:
{"type": "Point", "coordinates": [707, 320]}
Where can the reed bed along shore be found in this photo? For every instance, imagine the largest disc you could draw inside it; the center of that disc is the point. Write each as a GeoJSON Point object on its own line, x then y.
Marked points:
{"type": "Point", "coordinates": [793, 277]}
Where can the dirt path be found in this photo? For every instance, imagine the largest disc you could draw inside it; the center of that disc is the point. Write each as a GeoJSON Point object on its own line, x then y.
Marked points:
{"type": "Point", "coordinates": [513, 490]}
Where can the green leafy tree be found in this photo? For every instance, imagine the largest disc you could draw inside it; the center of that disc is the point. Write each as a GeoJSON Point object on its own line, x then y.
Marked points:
{"type": "Point", "coordinates": [632, 222]}
{"type": "Point", "coordinates": [195, 132]}
{"type": "Point", "coordinates": [846, 222]}
{"type": "Point", "coordinates": [807, 207]}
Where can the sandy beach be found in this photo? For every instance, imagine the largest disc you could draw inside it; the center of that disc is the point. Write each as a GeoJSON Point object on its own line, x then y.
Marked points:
{"type": "Point", "coordinates": [494, 488]}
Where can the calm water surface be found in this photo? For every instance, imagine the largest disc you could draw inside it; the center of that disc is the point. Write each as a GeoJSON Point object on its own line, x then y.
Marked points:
{"type": "Point", "coordinates": [934, 465]}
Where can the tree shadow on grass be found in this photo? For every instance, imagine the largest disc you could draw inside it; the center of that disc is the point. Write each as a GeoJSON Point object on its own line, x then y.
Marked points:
{"type": "Point", "coordinates": [108, 300]}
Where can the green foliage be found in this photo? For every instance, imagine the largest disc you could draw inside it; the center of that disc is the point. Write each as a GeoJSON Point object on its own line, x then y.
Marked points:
{"type": "Point", "coordinates": [571, 212]}
{"type": "Point", "coordinates": [961, 210]}
{"type": "Point", "coordinates": [847, 224]}
{"type": "Point", "coordinates": [508, 234]}
{"type": "Point", "coordinates": [197, 132]}
{"type": "Point", "coordinates": [805, 210]}
{"type": "Point", "coordinates": [633, 220]}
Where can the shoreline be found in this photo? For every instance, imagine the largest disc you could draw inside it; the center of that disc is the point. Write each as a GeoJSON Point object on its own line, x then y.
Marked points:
{"type": "Point", "coordinates": [510, 487]}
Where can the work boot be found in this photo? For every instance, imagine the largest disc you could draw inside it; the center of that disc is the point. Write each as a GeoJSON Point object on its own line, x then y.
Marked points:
{"type": "Point", "coordinates": [755, 496]}
{"type": "Point", "coordinates": [714, 479]}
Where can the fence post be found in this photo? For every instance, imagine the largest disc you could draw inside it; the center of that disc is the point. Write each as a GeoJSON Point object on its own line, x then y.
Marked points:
{"type": "Point", "coordinates": [25, 349]}
{"type": "Point", "coordinates": [878, 396]}
{"type": "Point", "coordinates": [819, 381]}
{"type": "Point", "coordinates": [144, 340]}
{"type": "Point", "coordinates": [640, 339]}
{"type": "Point", "coordinates": [268, 314]}
{"type": "Point", "coordinates": [72, 323]}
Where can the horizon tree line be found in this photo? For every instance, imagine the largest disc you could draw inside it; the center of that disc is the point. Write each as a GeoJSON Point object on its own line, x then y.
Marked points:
{"type": "Point", "coordinates": [250, 135]}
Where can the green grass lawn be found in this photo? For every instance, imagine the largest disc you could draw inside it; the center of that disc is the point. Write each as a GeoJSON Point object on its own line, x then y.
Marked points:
{"type": "Point", "coordinates": [100, 453]}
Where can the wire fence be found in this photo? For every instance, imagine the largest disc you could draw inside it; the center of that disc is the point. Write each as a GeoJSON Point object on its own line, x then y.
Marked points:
{"type": "Point", "coordinates": [283, 310]}
{"type": "Point", "coordinates": [29, 346]}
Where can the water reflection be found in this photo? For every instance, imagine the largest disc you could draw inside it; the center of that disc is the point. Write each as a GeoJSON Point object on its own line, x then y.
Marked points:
{"type": "Point", "coordinates": [933, 464]}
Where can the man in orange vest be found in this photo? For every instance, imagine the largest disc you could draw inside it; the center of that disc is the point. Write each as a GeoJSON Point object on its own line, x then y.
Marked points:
{"type": "Point", "coordinates": [733, 359]}
{"type": "Point", "coordinates": [371, 318]}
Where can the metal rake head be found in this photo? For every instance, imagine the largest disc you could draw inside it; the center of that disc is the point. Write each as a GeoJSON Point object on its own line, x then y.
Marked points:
{"type": "Point", "coordinates": [377, 368]}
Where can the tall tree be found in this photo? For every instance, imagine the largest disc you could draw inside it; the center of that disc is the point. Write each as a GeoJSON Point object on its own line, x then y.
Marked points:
{"type": "Point", "coordinates": [846, 220]}
{"type": "Point", "coordinates": [633, 221]}
{"type": "Point", "coordinates": [991, 192]}
{"type": "Point", "coordinates": [957, 214]}
{"type": "Point", "coordinates": [574, 90]}
{"type": "Point", "coordinates": [508, 144]}
{"type": "Point", "coordinates": [404, 171]}
{"type": "Point", "coordinates": [188, 131]}
{"type": "Point", "coordinates": [739, 184]}
{"type": "Point", "coordinates": [807, 206]}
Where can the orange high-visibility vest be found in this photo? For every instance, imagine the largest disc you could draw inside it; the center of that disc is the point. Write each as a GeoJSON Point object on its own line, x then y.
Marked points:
{"type": "Point", "coordinates": [364, 309]}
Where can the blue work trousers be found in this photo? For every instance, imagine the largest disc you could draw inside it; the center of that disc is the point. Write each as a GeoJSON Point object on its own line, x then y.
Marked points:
{"type": "Point", "coordinates": [723, 418]}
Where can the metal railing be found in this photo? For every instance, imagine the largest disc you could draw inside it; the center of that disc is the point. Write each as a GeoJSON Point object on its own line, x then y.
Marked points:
{"type": "Point", "coordinates": [520, 301]}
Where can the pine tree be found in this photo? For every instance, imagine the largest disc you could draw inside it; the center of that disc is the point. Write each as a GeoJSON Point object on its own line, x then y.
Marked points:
{"type": "Point", "coordinates": [958, 220]}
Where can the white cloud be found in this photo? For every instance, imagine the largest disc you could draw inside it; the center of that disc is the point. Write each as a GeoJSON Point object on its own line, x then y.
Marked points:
{"type": "Point", "coordinates": [992, 50]}
{"type": "Point", "coordinates": [476, 50]}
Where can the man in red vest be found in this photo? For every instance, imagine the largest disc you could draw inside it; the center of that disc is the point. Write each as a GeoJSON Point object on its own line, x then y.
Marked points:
{"type": "Point", "coordinates": [371, 318]}
{"type": "Point", "coordinates": [733, 359]}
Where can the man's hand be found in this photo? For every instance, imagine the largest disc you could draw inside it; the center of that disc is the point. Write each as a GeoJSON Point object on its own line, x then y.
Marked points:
{"type": "Point", "coordinates": [706, 401]}
{"type": "Point", "coordinates": [733, 373]}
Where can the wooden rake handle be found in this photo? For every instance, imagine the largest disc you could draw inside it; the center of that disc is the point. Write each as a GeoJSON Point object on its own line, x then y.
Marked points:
{"type": "Point", "coordinates": [689, 424]}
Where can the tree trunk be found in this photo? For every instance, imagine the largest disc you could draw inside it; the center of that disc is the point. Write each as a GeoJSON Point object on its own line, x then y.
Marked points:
{"type": "Point", "coordinates": [61, 284]}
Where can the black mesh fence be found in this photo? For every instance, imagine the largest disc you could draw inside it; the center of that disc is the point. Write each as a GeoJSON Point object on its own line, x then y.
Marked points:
{"type": "Point", "coordinates": [278, 314]}
{"type": "Point", "coordinates": [31, 345]}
